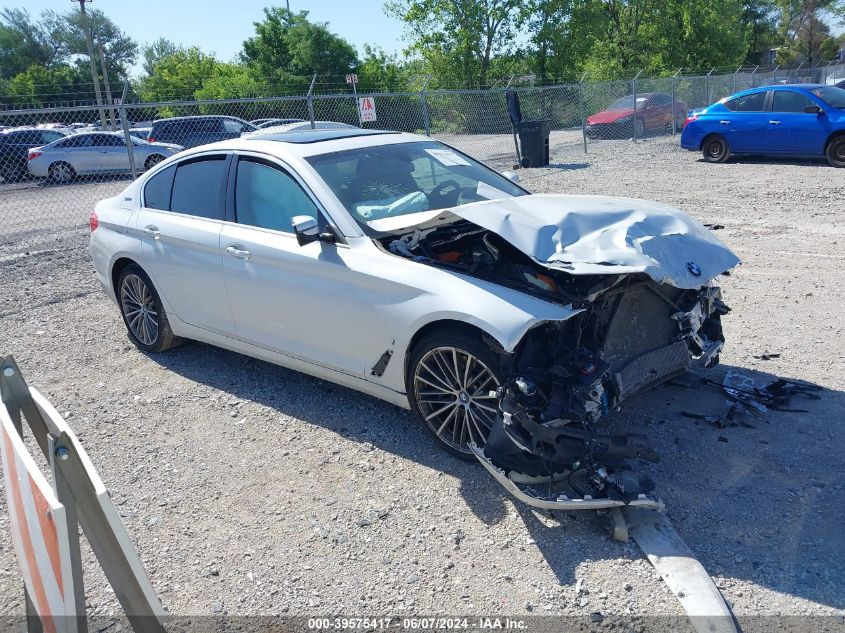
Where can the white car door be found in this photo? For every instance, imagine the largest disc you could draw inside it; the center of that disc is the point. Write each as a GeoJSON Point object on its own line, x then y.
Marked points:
{"type": "Point", "coordinates": [297, 300]}
{"type": "Point", "coordinates": [180, 221]}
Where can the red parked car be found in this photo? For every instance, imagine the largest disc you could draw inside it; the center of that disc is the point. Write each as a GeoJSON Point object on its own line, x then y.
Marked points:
{"type": "Point", "coordinates": [654, 111]}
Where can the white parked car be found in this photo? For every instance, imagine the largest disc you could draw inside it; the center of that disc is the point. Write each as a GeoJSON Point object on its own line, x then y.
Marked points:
{"type": "Point", "coordinates": [397, 266]}
{"type": "Point", "coordinates": [94, 153]}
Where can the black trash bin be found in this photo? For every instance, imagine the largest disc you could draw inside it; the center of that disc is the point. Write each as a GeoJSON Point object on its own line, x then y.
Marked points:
{"type": "Point", "coordinates": [534, 142]}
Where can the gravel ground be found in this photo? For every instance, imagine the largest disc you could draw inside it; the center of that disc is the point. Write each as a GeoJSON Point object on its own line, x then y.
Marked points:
{"type": "Point", "coordinates": [251, 489]}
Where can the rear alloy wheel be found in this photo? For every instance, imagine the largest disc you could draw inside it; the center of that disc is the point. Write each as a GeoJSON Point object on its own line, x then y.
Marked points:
{"type": "Point", "coordinates": [836, 151]}
{"type": "Point", "coordinates": [142, 311]}
{"type": "Point", "coordinates": [61, 172]}
{"type": "Point", "coordinates": [152, 161]}
{"type": "Point", "coordinates": [715, 149]}
{"type": "Point", "coordinates": [451, 375]}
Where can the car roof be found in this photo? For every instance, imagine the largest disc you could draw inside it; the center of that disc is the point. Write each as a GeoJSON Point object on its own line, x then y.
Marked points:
{"type": "Point", "coordinates": [198, 116]}
{"type": "Point", "coordinates": [283, 146]}
{"type": "Point", "coordinates": [314, 136]}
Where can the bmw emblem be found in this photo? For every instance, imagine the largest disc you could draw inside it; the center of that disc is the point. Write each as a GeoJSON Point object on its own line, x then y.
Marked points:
{"type": "Point", "coordinates": [695, 269]}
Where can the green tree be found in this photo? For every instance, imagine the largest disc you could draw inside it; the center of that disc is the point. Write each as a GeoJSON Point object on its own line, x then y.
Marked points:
{"type": "Point", "coordinates": [67, 33]}
{"type": "Point", "coordinates": [287, 43]}
{"type": "Point", "coordinates": [760, 20]}
{"type": "Point", "coordinates": [179, 75]}
{"type": "Point", "coordinates": [41, 85]}
{"type": "Point", "coordinates": [23, 43]}
{"type": "Point", "coordinates": [804, 30]}
{"type": "Point", "coordinates": [154, 51]}
{"type": "Point", "coordinates": [460, 36]}
{"type": "Point", "coordinates": [380, 71]}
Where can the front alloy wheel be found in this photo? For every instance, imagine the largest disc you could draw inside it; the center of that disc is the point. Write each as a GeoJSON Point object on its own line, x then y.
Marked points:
{"type": "Point", "coordinates": [451, 393]}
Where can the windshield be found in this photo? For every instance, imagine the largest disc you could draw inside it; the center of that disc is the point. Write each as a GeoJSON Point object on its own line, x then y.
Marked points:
{"type": "Point", "coordinates": [831, 95]}
{"type": "Point", "coordinates": [627, 103]}
{"type": "Point", "coordinates": [393, 180]}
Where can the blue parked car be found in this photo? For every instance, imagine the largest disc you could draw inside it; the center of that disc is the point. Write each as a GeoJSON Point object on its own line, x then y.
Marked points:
{"type": "Point", "coordinates": [787, 120]}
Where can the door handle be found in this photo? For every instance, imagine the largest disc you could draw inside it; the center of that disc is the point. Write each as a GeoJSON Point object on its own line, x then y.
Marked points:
{"type": "Point", "coordinates": [775, 122]}
{"type": "Point", "coordinates": [152, 231]}
{"type": "Point", "coordinates": [725, 122]}
{"type": "Point", "coordinates": [240, 253]}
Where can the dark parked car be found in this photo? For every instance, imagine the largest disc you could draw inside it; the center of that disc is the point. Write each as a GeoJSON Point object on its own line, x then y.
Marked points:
{"type": "Point", "coordinates": [190, 131]}
{"type": "Point", "coordinates": [785, 120]}
{"type": "Point", "coordinates": [14, 149]}
{"type": "Point", "coordinates": [653, 111]}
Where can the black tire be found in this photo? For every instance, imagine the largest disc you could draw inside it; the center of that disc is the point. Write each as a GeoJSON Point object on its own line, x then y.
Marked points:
{"type": "Point", "coordinates": [152, 161]}
{"type": "Point", "coordinates": [468, 410]}
{"type": "Point", "coordinates": [61, 172]}
{"type": "Point", "coordinates": [835, 151]}
{"type": "Point", "coordinates": [715, 149]}
{"type": "Point", "coordinates": [638, 128]}
{"type": "Point", "coordinates": [138, 324]}
{"type": "Point", "coordinates": [12, 172]}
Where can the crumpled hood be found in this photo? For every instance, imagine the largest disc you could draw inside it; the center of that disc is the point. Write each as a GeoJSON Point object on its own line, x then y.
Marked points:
{"type": "Point", "coordinates": [603, 235]}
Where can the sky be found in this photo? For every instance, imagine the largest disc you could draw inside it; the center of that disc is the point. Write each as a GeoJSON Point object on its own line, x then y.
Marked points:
{"type": "Point", "coordinates": [221, 26]}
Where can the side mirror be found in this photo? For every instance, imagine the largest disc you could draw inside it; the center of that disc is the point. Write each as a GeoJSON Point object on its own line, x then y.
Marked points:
{"type": "Point", "coordinates": [511, 175]}
{"type": "Point", "coordinates": [307, 230]}
{"type": "Point", "coordinates": [813, 109]}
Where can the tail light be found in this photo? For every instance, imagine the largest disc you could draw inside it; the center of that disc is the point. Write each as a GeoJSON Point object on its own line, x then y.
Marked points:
{"type": "Point", "coordinates": [93, 221]}
{"type": "Point", "coordinates": [690, 119]}
{"type": "Point", "coordinates": [33, 154]}
{"type": "Point", "coordinates": [151, 139]}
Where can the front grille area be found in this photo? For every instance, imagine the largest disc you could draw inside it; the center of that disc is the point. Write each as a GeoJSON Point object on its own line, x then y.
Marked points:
{"type": "Point", "coordinates": [642, 322]}
{"type": "Point", "coordinates": [641, 343]}
{"type": "Point", "coordinates": [653, 368]}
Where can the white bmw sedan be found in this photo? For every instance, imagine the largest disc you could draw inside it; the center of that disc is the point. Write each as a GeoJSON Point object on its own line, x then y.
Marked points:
{"type": "Point", "coordinates": [400, 267]}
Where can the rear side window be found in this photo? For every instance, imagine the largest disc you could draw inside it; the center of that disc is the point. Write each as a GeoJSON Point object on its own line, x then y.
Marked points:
{"type": "Point", "coordinates": [788, 101]}
{"type": "Point", "coordinates": [158, 188]}
{"type": "Point", "coordinates": [268, 197]}
{"type": "Point", "coordinates": [197, 187]}
{"type": "Point", "coordinates": [748, 103]}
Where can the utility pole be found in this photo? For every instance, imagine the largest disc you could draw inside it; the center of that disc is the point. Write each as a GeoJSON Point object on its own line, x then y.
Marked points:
{"type": "Point", "coordinates": [106, 81]}
{"type": "Point", "coordinates": [86, 28]}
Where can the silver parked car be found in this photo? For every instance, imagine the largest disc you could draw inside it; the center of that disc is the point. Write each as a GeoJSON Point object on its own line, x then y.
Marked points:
{"type": "Point", "coordinates": [395, 265]}
{"type": "Point", "coordinates": [94, 153]}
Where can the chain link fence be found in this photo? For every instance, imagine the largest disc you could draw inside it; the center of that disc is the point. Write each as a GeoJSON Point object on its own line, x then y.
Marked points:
{"type": "Point", "coordinates": [56, 163]}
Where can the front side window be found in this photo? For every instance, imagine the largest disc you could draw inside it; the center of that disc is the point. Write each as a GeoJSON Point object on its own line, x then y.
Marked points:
{"type": "Point", "coordinates": [749, 103]}
{"type": "Point", "coordinates": [268, 197]}
{"type": "Point", "coordinates": [108, 140]}
{"type": "Point", "coordinates": [789, 101]}
{"type": "Point", "coordinates": [197, 186]}
{"type": "Point", "coordinates": [393, 180]}
{"type": "Point", "coordinates": [831, 95]}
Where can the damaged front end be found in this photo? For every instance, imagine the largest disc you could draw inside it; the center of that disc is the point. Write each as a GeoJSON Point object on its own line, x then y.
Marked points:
{"type": "Point", "coordinates": [639, 279]}
{"type": "Point", "coordinates": [567, 375]}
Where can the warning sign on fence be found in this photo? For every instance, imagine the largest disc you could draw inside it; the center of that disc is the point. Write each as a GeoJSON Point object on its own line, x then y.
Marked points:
{"type": "Point", "coordinates": [367, 108]}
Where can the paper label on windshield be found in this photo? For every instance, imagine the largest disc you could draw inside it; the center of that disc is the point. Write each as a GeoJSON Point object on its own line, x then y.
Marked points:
{"type": "Point", "coordinates": [490, 192]}
{"type": "Point", "coordinates": [447, 157]}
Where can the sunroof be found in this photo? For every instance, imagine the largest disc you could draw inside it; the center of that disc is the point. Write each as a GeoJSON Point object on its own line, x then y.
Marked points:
{"type": "Point", "coordinates": [315, 136]}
